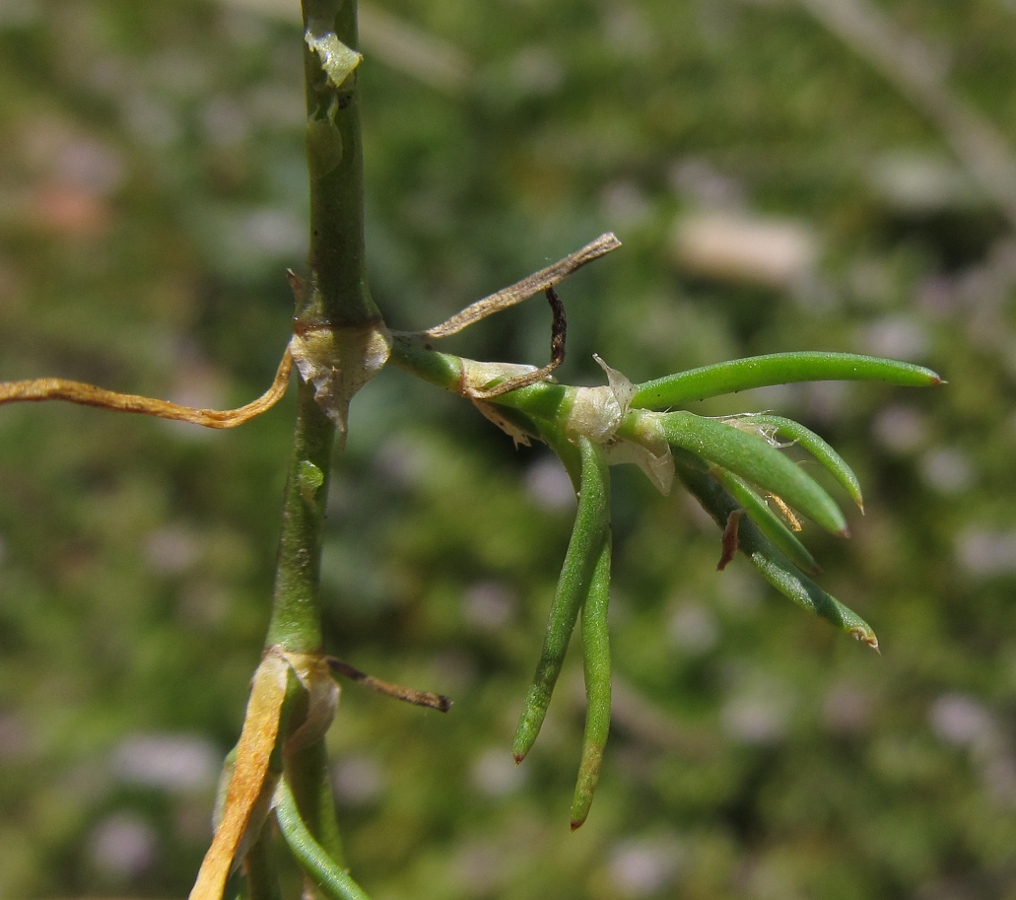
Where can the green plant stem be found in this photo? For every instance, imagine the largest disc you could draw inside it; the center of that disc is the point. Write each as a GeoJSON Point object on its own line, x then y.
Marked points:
{"type": "Point", "coordinates": [307, 773]}
{"type": "Point", "coordinates": [414, 354]}
{"type": "Point", "coordinates": [339, 294]}
{"type": "Point", "coordinates": [337, 298]}
{"type": "Point", "coordinates": [296, 606]}
{"type": "Point", "coordinates": [332, 882]}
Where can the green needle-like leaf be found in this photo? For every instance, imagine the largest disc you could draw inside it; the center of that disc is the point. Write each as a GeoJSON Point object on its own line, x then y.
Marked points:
{"type": "Point", "coordinates": [776, 368]}
{"type": "Point", "coordinates": [771, 524]}
{"type": "Point", "coordinates": [779, 571]}
{"type": "Point", "coordinates": [596, 660]}
{"type": "Point", "coordinates": [592, 524]}
{"type": "Point", "coordinates": [319, 866]}
{"type": "Point", "coordinates": [815, 445]}
{"type": "Point", "coordinates": [751, 457]}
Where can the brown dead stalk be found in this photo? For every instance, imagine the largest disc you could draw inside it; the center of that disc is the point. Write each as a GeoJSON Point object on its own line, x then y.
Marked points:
{"type": "Point", "coordinates": [39, 389]}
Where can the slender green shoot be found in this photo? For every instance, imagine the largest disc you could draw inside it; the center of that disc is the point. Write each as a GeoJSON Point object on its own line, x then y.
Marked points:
{"type": "Point", "coordinates": [770, 523]}
{"type": "Point", "coordinates": [596, 664]}
{"type": "Point", "coordinates": [776, 368]}
{"type": "Point", "coordinates": [779, 571]}
{"type": "Point", "coordinates": [751, 457]}
{"type": "Point", "coordinates": [592, 523]}
{"type": "Point", "coordinates": [780, 427]}
{"type": "Point", "coordinates": [332, 881]}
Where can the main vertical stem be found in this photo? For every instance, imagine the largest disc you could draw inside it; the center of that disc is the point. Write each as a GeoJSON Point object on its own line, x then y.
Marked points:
{"type": "Point", "coordinates": [296, 605]}
{"type": "Point", "coordinates": [335, 297]}
{"type": "Point", "coordinates": [339, 294]}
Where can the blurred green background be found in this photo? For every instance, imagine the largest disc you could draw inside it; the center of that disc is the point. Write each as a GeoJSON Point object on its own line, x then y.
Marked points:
{"type": "Point", "coordinates": [779, 182]}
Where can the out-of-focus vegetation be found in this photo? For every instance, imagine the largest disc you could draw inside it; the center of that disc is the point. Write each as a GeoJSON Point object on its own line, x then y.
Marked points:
{"type": "Point", "coordinates": [773, 191]}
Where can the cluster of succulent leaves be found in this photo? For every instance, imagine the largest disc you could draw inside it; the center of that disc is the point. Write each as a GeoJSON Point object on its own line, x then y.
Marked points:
{"type": "Point", "coordinates": [732, 466]}
{"type": "Point", "coordinates": [751, 755]}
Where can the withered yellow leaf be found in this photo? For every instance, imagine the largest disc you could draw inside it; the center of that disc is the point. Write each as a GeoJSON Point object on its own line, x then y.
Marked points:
{"type": "Point", "coordinates": [250, 777]}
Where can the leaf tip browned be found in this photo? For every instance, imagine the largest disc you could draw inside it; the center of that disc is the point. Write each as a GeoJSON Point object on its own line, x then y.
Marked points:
{"type": "Point", "coordinates": [867, 637]}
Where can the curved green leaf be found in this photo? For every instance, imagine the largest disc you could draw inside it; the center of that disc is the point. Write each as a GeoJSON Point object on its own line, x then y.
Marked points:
{"type": "Point", "coordinates": [596, 663]}
{"type": "Point", "coordinates": [592, 526]}
{"type": "Point", "coordinates": [815, 445]}
{"type": "Point", "coordinates": [779, 571]}
{"type": "Point", "coordinates": [776, 368]}
{"type": "Point", "coordinates": [752, 457]}
{"type": "Point", "coordinates": [333, 882]}
{"type": "Point", "coordinates": [771, 524]}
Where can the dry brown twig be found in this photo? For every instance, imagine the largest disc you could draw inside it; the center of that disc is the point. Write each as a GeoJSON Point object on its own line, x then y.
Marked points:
{"type": "Point", "coordinates": [524, 289]}
{"type": "Point", "coordinates": [396, 691]}
{"type": "Point", "coordinates": [544, 280]}
{"type": "Point", "coordinates": [558, 336]}
{"type": "Point", "coordinates": [39, 389]}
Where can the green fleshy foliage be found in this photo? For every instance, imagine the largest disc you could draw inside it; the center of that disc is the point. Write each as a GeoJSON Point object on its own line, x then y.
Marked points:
{"type": "Point", "coordinates": [154, 170]}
